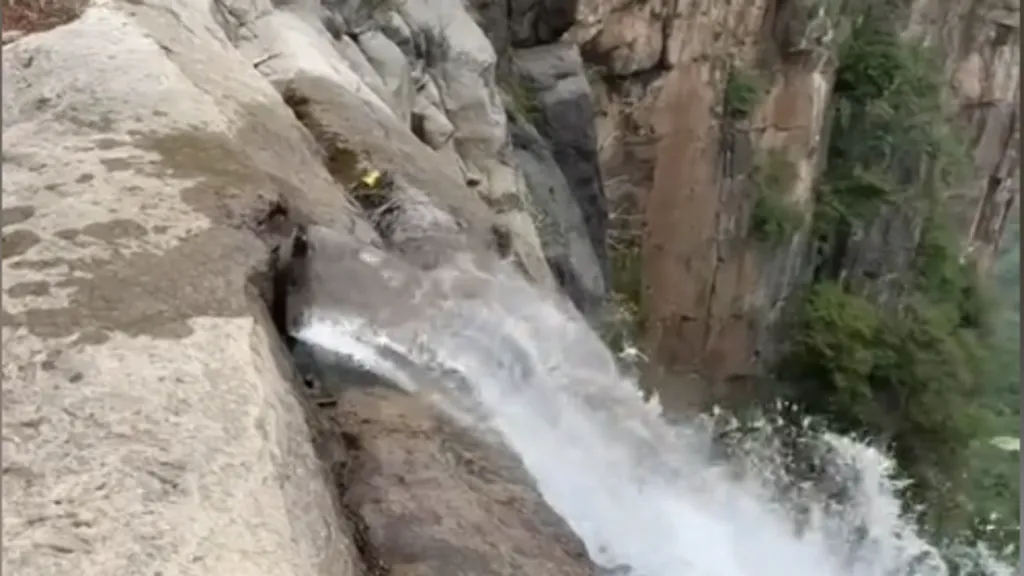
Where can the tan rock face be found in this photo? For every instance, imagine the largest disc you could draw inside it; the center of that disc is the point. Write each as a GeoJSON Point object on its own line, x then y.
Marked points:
{"type": "Point", "coordinates": [712, 294]}
{"type": "Point", "coordinates": [708, 289]}
{"type": "Point", "coordinates": [981, 42]}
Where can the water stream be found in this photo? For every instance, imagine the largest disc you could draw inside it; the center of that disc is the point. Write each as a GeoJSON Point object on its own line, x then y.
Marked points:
{"type": "Point", "coordinates": [639, 492]}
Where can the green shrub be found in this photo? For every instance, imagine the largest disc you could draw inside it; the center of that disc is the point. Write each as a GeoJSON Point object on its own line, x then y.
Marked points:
{"type": "Point", "coordinates": [523, 98]}
{"type": "Point", "coordinates": [908, 377]}
{"type": "Point", "coordinates": [940, 273]}
{"type": "Point", "coordinates": [909, 373]}
{"type": "Point", "coordinates": [993, 475]}
{"type": "Point", "coordinates": [890, 137]}
{"type": "Point", "coordinates": [743, 92]}
{"type": "Point", "coordinates": [625, 322]}
{"type": "Point", "coordinates": [774, 218]}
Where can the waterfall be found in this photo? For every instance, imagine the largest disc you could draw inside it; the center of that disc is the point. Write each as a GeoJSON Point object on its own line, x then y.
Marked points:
{"type": "Point", "coordinates": [644, 495]}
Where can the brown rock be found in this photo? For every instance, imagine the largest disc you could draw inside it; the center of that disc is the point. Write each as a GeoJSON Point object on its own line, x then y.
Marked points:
{"type": "Point", "coordinates": [713, 296]}
{"type": "Point", "coordinates": [431, 499]}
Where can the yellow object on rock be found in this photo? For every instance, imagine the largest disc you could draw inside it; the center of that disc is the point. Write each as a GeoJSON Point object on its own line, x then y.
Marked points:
{"type": "Point", "coordinates": [371, 178]}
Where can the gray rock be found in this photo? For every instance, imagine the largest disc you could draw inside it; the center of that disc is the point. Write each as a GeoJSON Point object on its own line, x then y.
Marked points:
{"type": "Point", "coordinates": [560, 224]}
{"type": "Point", "coordinates": [460, 60]}
{"type": "Point", "coordinates": [394, 26]}
{"type": "Point", "coordinates": [357, 60]}
{"type": "Point", "coordinates": [564, 116]}
{"type": "Point", "coordinates": [393, 68]}
{"type": "Point", "coordinates": [430, 124]}
{"type": "Point", "coordinates": [535, 22]}
{"type": "Point", "coordinates": [524, 23]}
{"type": "Point", "coordinates": [404, 475]}
{"type": "Point", "coordinates": [149, 417]}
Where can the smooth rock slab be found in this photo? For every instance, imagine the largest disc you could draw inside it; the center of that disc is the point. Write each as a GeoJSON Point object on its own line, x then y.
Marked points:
{"type": "Point", "coordinates": [148, 423]}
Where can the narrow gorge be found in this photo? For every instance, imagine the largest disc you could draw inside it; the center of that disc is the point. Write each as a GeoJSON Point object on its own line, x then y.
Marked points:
{"type": "Point", "coordinates": [416, 287]}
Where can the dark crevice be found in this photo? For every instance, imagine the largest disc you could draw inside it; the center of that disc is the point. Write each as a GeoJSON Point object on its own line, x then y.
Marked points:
{"type": "Point", "coordinates": [339, 451]}
{"type": "Point", "coordinates": [342, 474]}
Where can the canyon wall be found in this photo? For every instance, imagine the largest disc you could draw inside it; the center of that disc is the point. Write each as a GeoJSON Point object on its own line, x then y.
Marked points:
{"type": "Point", "coordinates": [682, 159]}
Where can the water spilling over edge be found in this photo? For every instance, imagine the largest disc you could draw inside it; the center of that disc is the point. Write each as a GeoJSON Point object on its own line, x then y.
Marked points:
{"type": "Point", "coordinates": [639, 492]}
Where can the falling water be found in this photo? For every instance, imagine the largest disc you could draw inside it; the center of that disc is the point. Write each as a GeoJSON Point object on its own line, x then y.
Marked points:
{"type": "Point", "coordinates": [641, 494]}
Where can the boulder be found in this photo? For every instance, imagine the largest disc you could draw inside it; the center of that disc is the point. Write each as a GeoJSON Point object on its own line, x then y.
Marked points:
{"type": "Point", "coordinates": [524, 23]}
{"type": "Point", "coordinates": [536, 22]}
{"type": "Point", "coordinates": [434, 500]}
{"type": "Point", "coordinates": [394, 69]}
{"type": "Point", "coordinates": [430, 125]}
{"type": "Point", "coordinates": [462, 62]}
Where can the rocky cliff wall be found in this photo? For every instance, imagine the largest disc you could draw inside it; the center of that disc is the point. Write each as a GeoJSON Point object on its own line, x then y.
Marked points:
{"type": "Point", "coordinates": [700, 103]}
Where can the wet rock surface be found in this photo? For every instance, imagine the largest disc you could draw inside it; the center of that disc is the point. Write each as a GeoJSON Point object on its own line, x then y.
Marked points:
{"type": "Point", "coordinates": [433, 500]}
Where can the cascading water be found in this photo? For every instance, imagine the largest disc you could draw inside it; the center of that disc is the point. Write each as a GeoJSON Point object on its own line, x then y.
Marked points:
{"type": "Point", "coordinates": [642, 494]}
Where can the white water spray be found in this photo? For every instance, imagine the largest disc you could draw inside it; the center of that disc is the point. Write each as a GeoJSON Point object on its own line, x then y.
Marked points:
{"type": "Point", "coordinates": [639, 492]}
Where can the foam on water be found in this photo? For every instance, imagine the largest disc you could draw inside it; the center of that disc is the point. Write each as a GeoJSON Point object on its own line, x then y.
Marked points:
{"type": "Point", "coordinates": [639, 492]}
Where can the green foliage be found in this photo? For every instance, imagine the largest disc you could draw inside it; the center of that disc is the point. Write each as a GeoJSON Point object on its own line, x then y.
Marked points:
{"type": "Point", "coordinates": [626, 321]}
{"type": "Point", "coordinates": [993, 475]}
{"type": "Point", "coordinates": [890, 136]}
{"type": "Point", "coordinates": [911, 373]}
{"type": "Point", "coordinates": [774, 218]}
{"type": "Point", "coordinates": [743, 91]}
{"type": "Point", "coordinates": [939, 272]}
{"type": "Point", "coordinates": [523, 98]}
{"type": "Point", "coordinates": [908, 377]}
{"type": "Point", "coordinates": [627, 276]}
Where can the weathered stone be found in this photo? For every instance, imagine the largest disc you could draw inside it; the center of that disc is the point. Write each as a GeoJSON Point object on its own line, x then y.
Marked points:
{"type": "Point", "coordinates": [553, 76]}
{"type": "Point", "coordinates": [430, 124]}
{"type": "Point", "coordinates": [394, 69]}
{"type": "Point", "coordinates": [152, 419]}
{"type": "Point", "coordinates": [559, 220]}
{"type": "Point", "coordinates": [149, 418]}
{"type": "Point", "coordinates": [411, 480]}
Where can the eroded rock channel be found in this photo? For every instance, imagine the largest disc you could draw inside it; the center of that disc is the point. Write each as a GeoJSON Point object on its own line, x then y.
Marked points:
{"type": "Point", "coordinates": [420, 494]}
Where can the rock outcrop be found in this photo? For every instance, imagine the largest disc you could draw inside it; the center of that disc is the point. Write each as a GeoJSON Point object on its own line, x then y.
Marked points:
{"type": "Point", "coordinates": [154, 154]}
{"type": "Point", "coordinates": [547, 95]}
{"type": "Point", "coordinates": [432, 500]}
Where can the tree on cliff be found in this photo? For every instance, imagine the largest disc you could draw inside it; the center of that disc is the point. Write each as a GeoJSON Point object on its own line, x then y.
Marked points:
{"type": "Point", "coordinates": [904, 364]}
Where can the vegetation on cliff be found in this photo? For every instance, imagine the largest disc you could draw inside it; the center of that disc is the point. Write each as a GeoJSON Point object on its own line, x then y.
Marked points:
{"type": "Point", "coordinates": [774, 218]}
{"type": "Point", "coordinates": [906, 367]}
{"type": "Point", "coordinates": [743, 91]}
{"type": "Point", "coordinates": [993, 474]}
{"type": "Point", "coordinates": [913, 358]}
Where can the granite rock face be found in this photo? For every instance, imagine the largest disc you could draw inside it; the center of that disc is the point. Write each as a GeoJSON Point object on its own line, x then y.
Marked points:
{"type": "Point", "coordinates": [156, 156]}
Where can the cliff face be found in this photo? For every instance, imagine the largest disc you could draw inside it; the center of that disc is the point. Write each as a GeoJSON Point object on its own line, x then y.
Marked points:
{"type": "Point", "coordinates": [685, 146]}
